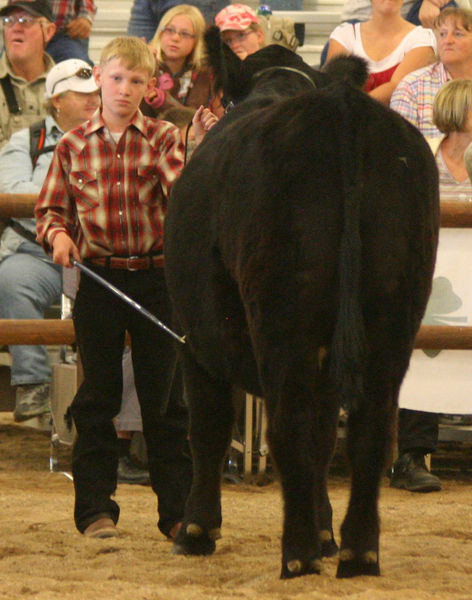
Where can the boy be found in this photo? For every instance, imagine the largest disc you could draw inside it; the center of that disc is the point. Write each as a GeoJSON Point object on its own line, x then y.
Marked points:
{"type": "Point", "coordinates": [103, 203]}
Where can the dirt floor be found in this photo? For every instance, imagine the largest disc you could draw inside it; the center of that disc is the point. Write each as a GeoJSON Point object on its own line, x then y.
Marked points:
{"type": "Point", "coordinates": [426, 543]}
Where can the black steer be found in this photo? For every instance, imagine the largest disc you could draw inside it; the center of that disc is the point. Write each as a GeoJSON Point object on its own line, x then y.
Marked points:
{"type": "Point", "coordinates": [300, 243]}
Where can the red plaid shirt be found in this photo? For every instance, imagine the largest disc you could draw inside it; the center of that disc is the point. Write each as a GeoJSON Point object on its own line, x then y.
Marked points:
{"type": "Point", "coordinates": [110, 198]}
{"type": "Point", "coordinates": [65, 11]}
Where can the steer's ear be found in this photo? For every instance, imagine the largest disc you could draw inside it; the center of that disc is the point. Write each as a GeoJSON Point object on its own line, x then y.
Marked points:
{"type": "Point", "coordinates": [226, 66]}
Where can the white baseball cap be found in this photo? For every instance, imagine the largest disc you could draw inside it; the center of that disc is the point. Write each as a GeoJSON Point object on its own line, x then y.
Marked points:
{"type": "Point", "coordinates": [72, 75]}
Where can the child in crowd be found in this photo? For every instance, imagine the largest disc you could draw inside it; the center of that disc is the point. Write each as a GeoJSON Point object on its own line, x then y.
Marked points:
{"type": "Point", "coordinates": [240, 29]}
{"type": "Point", "coordinates": [103, 203]}
{"type": "Point", "coordinates": [181, 73]}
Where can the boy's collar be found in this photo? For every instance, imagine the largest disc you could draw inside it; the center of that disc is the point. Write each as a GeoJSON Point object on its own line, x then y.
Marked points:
{"type": "Point", "coordinates": [97, 122]}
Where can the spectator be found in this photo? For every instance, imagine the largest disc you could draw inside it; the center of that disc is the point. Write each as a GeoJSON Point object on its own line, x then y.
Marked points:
{"type": "Point", "coordinates": [182, 77]}
{"type": "Point", "coordinates": [452, 116]}
{"type": "Point", "coordinates": [414, 99]}
{"type": "Point", "coordinates": [27, 28]}
{"type": "Point", "coordinates": [414, 95]}
{"type": "Point", "coordinates": [29, 284]}
{"type": "Point", "coordinates": [135, 160]}
{"type": "Point", "coordinates": [392, 47]}
{"type": "Point", "coordinates": [73, 20]}
{"type": "Point", "coordinates": [418, 12]}
{"type": "Point", "coordinates": [240, 29]}
{"type": "Point", "coordinates": [147, 14]}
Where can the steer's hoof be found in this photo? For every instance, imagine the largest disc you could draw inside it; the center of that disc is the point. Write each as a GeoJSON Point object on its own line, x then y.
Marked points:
{"type": "Point", "coordinates": [193, 539]}
{"type": "Point", "coordinates": [328, 545]}
{"type": "Point", "coordinates": [296, 568]}
{"type": "Point", "coordinates": [352, 565]}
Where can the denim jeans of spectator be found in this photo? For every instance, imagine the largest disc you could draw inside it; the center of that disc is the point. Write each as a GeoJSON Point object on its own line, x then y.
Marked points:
{"type": "Point", "coordinates": [28, 286]}
{"type": "Point", "coordinates": [146, 14]}
{"type": "Point", "coordinates": [63, 47]}
{"type": "Point", "coordinates": [285, 4]}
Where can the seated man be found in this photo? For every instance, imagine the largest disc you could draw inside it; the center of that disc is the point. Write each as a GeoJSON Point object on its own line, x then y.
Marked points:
{"type": "Point", "coordinates": [73, 20]}
{"type": "Point", "coordinates": [24, 65]}
{"type": "Point", "coordinates": [29, 281]}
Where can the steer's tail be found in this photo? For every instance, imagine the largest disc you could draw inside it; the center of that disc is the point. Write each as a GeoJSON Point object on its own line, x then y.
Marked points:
{"type": "Point", "coordinates": [348, 349]}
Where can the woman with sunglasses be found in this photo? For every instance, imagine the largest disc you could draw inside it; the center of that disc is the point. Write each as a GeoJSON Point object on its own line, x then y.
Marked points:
{"type": "Point", "coordinates": [182, 76]}
{"type": "Point", "coordinates": [29, 286]}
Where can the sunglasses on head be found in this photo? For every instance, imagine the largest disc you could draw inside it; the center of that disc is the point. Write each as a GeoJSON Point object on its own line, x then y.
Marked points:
{"type": "Point", "coordinates": [83, 73]}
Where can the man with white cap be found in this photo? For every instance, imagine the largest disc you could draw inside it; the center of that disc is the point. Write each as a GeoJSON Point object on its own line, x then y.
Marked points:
{"type": "Point", "coordinates": [27, 29]}
{"type": "Point", "coordinates": [28, 285]}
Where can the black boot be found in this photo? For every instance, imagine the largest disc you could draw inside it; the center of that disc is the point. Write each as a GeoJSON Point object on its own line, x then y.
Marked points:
{"type": "Point", "coordinates": [128, 472]}
{"type": "Point", "coordinates": [409, 472]}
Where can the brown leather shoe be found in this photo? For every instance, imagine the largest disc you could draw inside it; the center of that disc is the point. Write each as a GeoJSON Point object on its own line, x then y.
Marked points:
{"type": "Point", "coordinates": [101, 528]}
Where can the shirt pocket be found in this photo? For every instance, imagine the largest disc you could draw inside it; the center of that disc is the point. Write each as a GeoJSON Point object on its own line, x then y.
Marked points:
{"type": "Point", "coordinates": [85, 189]}
{"type": "Point", "coordinates": [148, 185]}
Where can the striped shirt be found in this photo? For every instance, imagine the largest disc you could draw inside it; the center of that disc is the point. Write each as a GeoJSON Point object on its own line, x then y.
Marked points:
{"type": "Point", "coordinates": [110, 198]}
{"type": "Point", "coordinates": [414, 97]}
{"type": "Point", "coordinates": [65, 11]}
{"type": "Point", "coordinates": [450, 189]}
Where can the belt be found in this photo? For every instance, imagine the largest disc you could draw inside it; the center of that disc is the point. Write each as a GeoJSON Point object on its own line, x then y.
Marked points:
{"type": "Point", "coordinates": [130, 263]}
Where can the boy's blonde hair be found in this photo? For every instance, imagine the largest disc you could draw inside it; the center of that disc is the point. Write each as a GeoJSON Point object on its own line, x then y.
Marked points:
{"type": "Point", "coordinates": [196, 58]}
{"type": "Point", "coordinates": [132, 52]}
{"type": "Point", "coordinates": [452, 106]}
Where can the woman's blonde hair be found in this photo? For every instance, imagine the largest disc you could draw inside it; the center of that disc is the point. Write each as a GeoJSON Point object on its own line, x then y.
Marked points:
{"type": "Point", "coordinates": [461, 16]}
{"type": "Point", "coordinates": [452, 106]}
{"type": "Point", "coordinates": [196, 58]}
{"type": "Point", "coordinates": [132, 52]}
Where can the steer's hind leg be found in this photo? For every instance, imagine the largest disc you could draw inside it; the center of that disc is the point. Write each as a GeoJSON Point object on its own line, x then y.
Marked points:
{"type": "Point", "coordinates": [302, 431]}
{"type": "Point", "coordinates": [211, 421]}
{"type": "Point", "coordinates": [368, 440]}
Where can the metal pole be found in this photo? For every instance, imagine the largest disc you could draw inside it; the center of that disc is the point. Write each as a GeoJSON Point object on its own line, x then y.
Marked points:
{"type": "Point", "coordinates": [127, 299]}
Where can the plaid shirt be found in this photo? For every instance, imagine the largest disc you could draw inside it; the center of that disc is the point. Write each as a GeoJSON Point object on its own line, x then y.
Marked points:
{"type": "Point", "coordinates": [110, 198]}
{"type": "Point", "coordinates": [414, 97]}
{"type": "Point", "coordinates": [65, 11]}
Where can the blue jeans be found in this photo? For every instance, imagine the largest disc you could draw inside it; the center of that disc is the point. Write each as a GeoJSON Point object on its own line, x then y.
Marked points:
{"type": "Point", "coordinates": [146, 14]}
{"type": "Point", "coordinates": [28, 287]}
{"type": "Point", "coordinates": [62, 47]}
{"type": "Point", "coordinates": [285, 4]}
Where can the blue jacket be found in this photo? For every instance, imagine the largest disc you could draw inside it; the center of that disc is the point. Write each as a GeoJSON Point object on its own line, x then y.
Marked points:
{"type": "Point", "coordinates": [17, 175]}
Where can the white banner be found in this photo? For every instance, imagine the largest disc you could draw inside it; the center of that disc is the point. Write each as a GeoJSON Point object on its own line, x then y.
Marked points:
{"type": "Point", "coordinates": [441, 380]}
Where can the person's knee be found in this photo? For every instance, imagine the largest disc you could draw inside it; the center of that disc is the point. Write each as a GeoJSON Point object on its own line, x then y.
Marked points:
{"type": "Point", "coordinates": [21, 279]}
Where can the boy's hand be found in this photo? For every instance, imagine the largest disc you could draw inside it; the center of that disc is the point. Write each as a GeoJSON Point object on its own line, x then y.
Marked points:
{"type": "Point", "coordinates": [203, 120]}
{"type": "Point", "coordinates": [63, 248]}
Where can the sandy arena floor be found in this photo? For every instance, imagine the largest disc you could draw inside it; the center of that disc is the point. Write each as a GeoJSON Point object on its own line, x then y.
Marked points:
{"type": "Point", "coordinates": [426, 543]}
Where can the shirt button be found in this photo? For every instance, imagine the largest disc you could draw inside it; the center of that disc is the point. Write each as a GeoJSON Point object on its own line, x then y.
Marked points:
{"type": "Point", "coordinates": [80, 180]}
{"type": "Point", "coordinates": [118, 155]}
{"type": "Point", "coordinates": [118, 183]}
